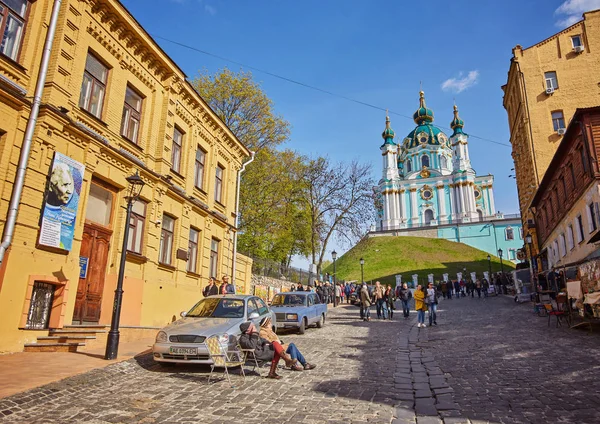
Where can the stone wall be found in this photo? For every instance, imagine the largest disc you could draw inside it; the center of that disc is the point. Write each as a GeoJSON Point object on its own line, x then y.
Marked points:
{"type": "Point", "coordinates": [266, 287]}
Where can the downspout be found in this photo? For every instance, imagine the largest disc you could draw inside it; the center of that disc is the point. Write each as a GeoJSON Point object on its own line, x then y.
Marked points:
{"type": "Point", "coordinates": [237, 218]}
{"type": "Point", "coordinates": [17, 191]}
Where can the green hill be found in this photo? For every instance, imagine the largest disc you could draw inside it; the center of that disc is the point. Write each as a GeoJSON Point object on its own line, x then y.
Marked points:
{"type": "Point", "coordinates": [387, 256]}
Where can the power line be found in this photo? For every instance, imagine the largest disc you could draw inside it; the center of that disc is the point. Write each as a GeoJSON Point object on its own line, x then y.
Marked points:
{"type": "Point", "coordinates": [311, 87]}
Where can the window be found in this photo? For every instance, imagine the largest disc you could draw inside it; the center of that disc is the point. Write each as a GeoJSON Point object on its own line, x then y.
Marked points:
{"type": "Point", "coordinates": [262, 306]}
{"type": "Point", "coordinates": [252, 306]}
{"type": "Point", "coordinates": [551, 81]}
{"type": "Point", "coordinates": [555, 249]}
{"type": "Point", "coordinates": [558, 120]}
{"type": "Point", "coordinates": [572, 174]}
{"type": "Point", "coordinates": [93, 86]}
{"type": "Point", "coordinates": [444, 161]}
{"type": "Point", "coordinates": [176, 150]}
{"type": "Point", "coordinates": [583, 157]}
{"type": "Point", "coordinates": [521, 233]}
{"type": "Point", "coordinates": [408, 166]}
{"type": "Point", "coordinates": [512, 254]}
{"type": "Point", "coordinates": [199, 168]}
{"type": "Point", "coordinates": [564, 187]}
{"type": "Point", "coordinates": [425, 161]}
{"type": "Point", "coordinates": [592, 217]}
{"type": "Point", "coordinates": [580, 235]}
{"type": "Point", "coordinates": [219, 184]}
{"type": "Point", "coordinates": [562, 248]}
{"type": "Point", "coordinates": [576, 41]}
{"type": "Point", "coordinates": [99, 205]}
{"type": "Point", "coordinates": [214, 258]}
{"type": "Point", "coordinates": [165, 248]}
{"type": "Point", "coordinates": [510, 234]}
{"type": "Point", "coordinates": [132, 109]}
{"type": "Point", "coordinates": [12, 22]}
{"type": "Point", "coordinates": [136, 227]}
{"type": "Point", "coordinates": [193, 250]}
{"type": "Point", "coordinates": [570, 240]}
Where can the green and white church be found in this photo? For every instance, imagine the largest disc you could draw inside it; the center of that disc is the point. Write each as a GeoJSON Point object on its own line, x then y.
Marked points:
{"type": "Point", "coordinates": [428, 179]}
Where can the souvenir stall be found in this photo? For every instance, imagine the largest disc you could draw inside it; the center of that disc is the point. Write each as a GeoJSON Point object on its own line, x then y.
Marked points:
{"type": "Point", "coordinates": [584, 295]}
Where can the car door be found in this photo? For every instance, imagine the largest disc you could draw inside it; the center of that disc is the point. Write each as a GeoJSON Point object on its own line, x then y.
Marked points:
{"type": "Point", "coordinates": [311, 313]}
{"type": "Point", "coordinates": [253, 307]}
{"type": "Point", "coordinates": [263, 309]}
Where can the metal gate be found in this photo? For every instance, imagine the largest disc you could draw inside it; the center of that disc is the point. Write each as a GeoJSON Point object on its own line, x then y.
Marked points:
{"type": "Point", "coordinates": [40, 307]}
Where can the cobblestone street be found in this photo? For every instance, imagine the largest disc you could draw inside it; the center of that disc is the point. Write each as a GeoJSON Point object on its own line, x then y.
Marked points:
{"type": "Point", "coordinates": [487, 361]}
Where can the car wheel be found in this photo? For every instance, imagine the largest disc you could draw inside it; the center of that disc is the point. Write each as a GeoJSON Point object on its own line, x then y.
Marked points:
{"type": "Point", "coordinates": [302, 328]}
{"type": "Point", "coordinates": [321, 322]}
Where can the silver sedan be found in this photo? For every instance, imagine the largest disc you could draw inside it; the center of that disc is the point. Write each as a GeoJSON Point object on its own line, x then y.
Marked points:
{"type": "Point", "coordinates": [183, 341]}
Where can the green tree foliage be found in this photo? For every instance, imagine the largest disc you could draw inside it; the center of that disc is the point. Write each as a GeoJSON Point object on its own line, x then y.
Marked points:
{"type": "Point", "coordinates": [244, 107]}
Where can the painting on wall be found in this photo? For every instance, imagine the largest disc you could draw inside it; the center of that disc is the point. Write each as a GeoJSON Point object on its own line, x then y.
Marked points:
{"type": "Point", "coordinates": [273, 291]}
{"type": "Point", "coordinates": [261, 291]}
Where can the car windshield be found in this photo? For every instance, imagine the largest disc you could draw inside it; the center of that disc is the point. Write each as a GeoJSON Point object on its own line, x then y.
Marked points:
{"type": "Point", "coordinates": [288, 300]}
{"type": "Point", "coordinates": [218, 308]}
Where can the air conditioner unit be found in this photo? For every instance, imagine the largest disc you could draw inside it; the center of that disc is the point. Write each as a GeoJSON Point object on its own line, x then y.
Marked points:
{"type": "Point", "coordinates": [578, 49]}
{"type": "Point", "coordinates": [549, 91]}
{"type": "Point", "coordinates": [561, 131]}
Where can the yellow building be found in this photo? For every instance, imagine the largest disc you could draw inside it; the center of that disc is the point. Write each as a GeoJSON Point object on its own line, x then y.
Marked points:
{"type": "Point", "coordinates": [114, 103]}
{"type": "Point", "coordinates": [546, 83]}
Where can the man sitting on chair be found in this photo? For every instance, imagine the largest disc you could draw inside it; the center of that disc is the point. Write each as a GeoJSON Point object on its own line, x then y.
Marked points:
{"type": "Point", "coordinates": [271, 350]}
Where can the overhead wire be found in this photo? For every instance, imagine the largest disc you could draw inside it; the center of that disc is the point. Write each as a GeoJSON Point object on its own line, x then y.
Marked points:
{"type": "Point", "coordinates": [311, 87]}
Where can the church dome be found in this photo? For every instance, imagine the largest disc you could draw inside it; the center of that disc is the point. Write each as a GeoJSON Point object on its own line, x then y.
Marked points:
{"type": "Point", "coordinates": [388, 134]}
{"type": "Point", "coordinates": [457, 124]}
{"type": "Point", "coordinates": [425, 133]}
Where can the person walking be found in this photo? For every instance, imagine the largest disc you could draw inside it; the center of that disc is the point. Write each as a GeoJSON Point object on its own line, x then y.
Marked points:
{"type": "Point", "coordinates": [478, 288]}
{"type": "Point", "coordinates": [365, 303]}
{"type": "Point", "coordinates": [211, 289]}
{"type": "Point", "coordinates": [378, 298]}
{"type": "Point", "coordinates": [420, 305]}
{"type": "Point", "coordinates": [405, 295]}
{"type": "Point", "coordinates": [444, 288]}
{"type": "Point", "coordinates": [431, 302]}
{"type": "Point", "coordinates": [457, 289]}
{"type": "Point", "coordinates": [486, 287]}
{"type": "Point", "coordinates": [338, 294]}
{"type": "Point", "coordinates": [449, 289]}
{"type": "Point", "coordinates": [391, 298]}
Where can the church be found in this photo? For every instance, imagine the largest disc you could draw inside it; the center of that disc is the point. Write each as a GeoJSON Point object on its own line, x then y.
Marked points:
{"type": "Point", "coordinates": [428, 183]}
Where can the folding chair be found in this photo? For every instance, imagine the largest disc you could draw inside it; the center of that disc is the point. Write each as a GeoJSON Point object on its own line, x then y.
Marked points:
{"type": "Point", "coordinates": [249, 355]}
{"type": "Point", "coordinates": [224, 359]}
{"type": "Point", "coordinates": [554, 313]}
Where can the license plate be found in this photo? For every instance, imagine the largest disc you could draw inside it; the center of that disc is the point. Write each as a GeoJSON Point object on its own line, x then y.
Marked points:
{"type": "Point", "coordinates": [183, 350]}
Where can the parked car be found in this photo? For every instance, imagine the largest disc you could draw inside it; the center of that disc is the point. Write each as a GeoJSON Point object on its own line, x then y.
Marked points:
{"type": "Point", "coordinates": [183, 341]}
{"type": "Point", "coordinates": [298, 310]}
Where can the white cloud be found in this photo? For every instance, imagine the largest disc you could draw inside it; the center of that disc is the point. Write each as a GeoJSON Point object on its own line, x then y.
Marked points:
{"type": "Point", "coordinates": [571, 10]}
{"type": "Point", "coordinates": [210, 9]}
{"type": "Point", "coordinates": [462, 82]}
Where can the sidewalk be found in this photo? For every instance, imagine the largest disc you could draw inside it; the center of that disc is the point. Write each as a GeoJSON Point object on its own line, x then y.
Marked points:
{"type": "Point", "coordinates": [27, 370]}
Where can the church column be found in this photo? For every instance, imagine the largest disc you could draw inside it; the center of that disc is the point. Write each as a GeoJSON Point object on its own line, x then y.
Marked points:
{"type": "Point", "coordinates": [386, 209]}
{"type": "Point", "coordinates": [413, 205]}
{"type": "Point", "coordinates": [491, 194]}
{"type": "Point", "coordinates": [403, 212]}
{"type": "Point", "coordinates": [461, 195]}
{"type": "Point", "coordinates": [397, 213]}
{"type": "Point", "coordinates": [441, 202]}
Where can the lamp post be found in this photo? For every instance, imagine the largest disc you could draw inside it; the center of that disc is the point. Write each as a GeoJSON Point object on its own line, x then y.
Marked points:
{"type": "Point", "coordinates": [529, 241]}
{"type": "Point", "coordinates": [334, 257]}
{"type": "Point", "coordinates": [501, 267]}
{"type": "Point", "coordinates": [362, 274]}
{"type": "Point", "coordinates": [112, 343]}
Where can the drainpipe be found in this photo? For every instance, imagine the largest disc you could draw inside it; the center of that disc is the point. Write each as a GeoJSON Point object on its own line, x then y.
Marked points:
{"type": "Point", "coordinates": [237, 219]}
{"type": "Point", "coordinates": [17, 191]}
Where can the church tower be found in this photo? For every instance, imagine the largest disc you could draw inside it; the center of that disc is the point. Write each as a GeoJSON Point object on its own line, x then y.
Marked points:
{"type": "Point", "coordinates": [389, 154]}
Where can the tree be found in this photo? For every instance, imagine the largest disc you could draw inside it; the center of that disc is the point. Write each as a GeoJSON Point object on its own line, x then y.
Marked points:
{"type": "Point", "coordinates": [338, 198]}
{"type": "Point", "coordinates": [244, 107]}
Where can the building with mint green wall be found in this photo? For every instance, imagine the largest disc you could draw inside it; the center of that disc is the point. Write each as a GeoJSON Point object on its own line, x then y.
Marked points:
{"type": "Point", "coordinates": [429, 188]}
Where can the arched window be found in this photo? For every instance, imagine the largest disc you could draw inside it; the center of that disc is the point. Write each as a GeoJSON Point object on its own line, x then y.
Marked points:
{"type": "Point", "coordinates": [425, 161]}
{"type": "Point", "coordinates": [428, 216]}
{"type": "Point", "coordinates": [444, 162]}
{"type": "Point", "coordinates": [480, 214]}
{"type": "Point", "coordinates": [408, 166]}
{"type": "Point", "coordinates": [510, 234]}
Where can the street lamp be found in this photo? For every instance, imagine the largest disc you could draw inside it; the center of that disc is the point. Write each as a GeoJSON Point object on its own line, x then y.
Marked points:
{"type": "Point", "coordinates": [501, 266]}
{"type": "Point", "coordinates": [362, 273]}
{"type": "Point", "coordinates": [489, 258]}
{"type": "Point", "coordinates": [133, 193]}
{"type": "Point", "coordinates": [334, 257]}
{"type": "Point", "coordinates": [529, 241]}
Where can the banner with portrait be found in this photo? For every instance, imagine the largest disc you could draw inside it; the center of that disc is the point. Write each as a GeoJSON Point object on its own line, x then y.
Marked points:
{"type": "Point", "coordinates": [473, 276]}
{"type": "Point", "coordinates": [61, 202]}
{"type": "Point", "coordinates": [430, 278]}
{"type": "Point", "coordinates": [486, 275]}
{"type": "Point", "coordinates": [459, 276]}
{"type": "Point", "coordinates": [445, 277]}
{"type": "Point", "coordinates": [415, 278]}
{"type": "Point", "coordinates": [398, 280]}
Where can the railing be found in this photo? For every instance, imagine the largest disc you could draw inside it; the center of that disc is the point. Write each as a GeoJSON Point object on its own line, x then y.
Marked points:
{"type": "Point", "coordinates": [274, 269]}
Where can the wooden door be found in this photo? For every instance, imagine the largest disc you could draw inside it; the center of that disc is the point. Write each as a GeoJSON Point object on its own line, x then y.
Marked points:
{"type": "Point", "coordinates": [95, 245]}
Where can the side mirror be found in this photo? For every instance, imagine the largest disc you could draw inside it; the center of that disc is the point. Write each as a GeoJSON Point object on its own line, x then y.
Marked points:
{"type": "Point", "coordinates": [253, 315]}
{"type": "Point", "coordinates": [183, 314]}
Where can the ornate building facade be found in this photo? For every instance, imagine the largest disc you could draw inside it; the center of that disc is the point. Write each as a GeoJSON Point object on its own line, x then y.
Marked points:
{"type": "Point", "coordinates": [428, 178]}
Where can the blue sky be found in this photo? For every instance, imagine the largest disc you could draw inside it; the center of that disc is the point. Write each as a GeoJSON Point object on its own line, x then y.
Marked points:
{"type": "Point", "coordinates": [373, 51]}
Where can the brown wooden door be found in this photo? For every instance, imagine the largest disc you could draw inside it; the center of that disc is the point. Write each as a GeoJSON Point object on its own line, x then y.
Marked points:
{"type": "Point", "coordinates": [95, 244]}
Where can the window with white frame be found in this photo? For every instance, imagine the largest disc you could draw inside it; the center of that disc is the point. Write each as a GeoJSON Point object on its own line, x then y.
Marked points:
{"type": "Point", "coordinates": [592, 225]}
{"type": "Point", "coordinates": [579, 223]}
{"type": "Point", "coordinates": [165, 248]}
{"type": "Point", "coordinates": [551, 80]}
{"type": "Point", "coordinates": [570, 240]}
{"type": "Point", "coordinates": [509, 233]}
{"type": "Point", "coordinates": [219, 183]}
{"type": "Point", "coordinates": [444, 161]}
{"type": "Point", "coordinates": [558, 120]}
{"type": "Point", "coordinates": [136, 227]}
{"type": "Point", "coordinates": [562, 246]}
{"type": "Point", "coordinates": [130, 121]}
{"type": "Point", "coordinates": [93, 86]}
{"type": "Point", "coordinates": [512, 254]}
{"type": "Point", "coordinates": [576, 41]}
{"type": "Point", "coordinates": [12, 25]}
{"type": "Point", "coordinates": [214, 258]}
{"type": "Point", "coordinates": [192, 263]}
{"type": "Point", "coordinates": [176, 150]}
{"type": "Point", "coordinates": [521, 233]}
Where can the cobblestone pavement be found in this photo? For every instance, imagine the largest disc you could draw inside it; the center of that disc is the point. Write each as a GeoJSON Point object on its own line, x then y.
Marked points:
{"type": "Point", "coordinates": [487, 361]}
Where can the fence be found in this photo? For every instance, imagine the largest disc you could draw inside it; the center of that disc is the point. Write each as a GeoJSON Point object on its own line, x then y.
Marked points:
{"type": "Point", "coordinates": [273, 269]}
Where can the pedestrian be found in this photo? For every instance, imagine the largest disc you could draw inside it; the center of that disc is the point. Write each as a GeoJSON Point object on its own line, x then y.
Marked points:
{"type": "Point", "coordinates": [405, 295]}
{"type": "Point", "coordinates": [444, 290]}
{"type": "Point", "coordinates": [338, 294]}
{"type": "Point", "coordinates": [486, 287]}
{"type": "Point", "coordinates": [300, 288]}
{"type": "Point", "coordinates": [457, 289]}
{"type": "Point", "coordinates": [365, 302]}
{"type": "Point", "coordinates": [348, 292]}
{"type": "Point", "coordinates": [431, 302]}
{"type": "Point", "coordinates": [378, 298]}
{"type": "Point", "coordinates": [226, 288]}
{"type": "Point", "coordinates": [391, 298]}
{"type": "Point", "coordinates": [478, 288]}
{"type": "Point", "coordinates": [211, 289]}
{"type": "Point", "coordinates": [420, 306]}
{"type": "Point", "coordinates": [449, 289]}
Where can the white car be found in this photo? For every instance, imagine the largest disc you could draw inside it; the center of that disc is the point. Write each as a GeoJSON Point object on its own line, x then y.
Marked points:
{"type": "Point", "coordinates": [183, 341]}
